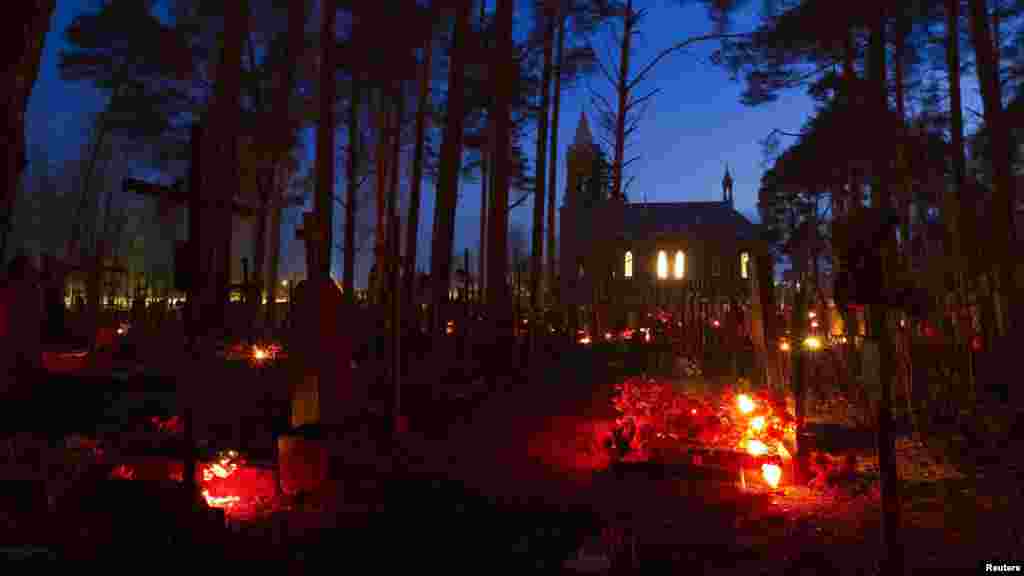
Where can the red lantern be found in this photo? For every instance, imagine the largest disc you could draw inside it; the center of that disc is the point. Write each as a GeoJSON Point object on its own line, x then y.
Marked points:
{"type": "Point", "coordinates": [977, 343]}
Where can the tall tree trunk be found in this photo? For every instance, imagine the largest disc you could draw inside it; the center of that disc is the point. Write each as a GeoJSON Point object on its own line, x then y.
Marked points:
{"type": "Point", "coordinates": [324, 202]}
{"type": "Point", "coordinates": [905, 185]}
{"type": "Point", "coordinates": [537, 257]}
{"type": "Point", "coordinates": [954, 197]}
{"type": "Point", "coordinates": [349, 266]}
{"type": "Point", "coordinates": [395, 237]}
{"type": "Point", "coordinates": [485, 188]}
{"type": "Point", "coordinates": [881, 329]}
{"type": "Point", "coordinates": [416, 178]}
{"type": "Point", "coordinates": [497, 266]}
{"type": "Point", "coordinates": [27, 28]}
{"type": "Point", "coordinates": [451, 163]}
{"type": "Point", "coordinates": [852, 199]}
{"type": "Point", "coordinates": [78, 246]}
{"type": "Point", "coordinates": [1003, 197]}
{"type": "Point", "coordinates": [380, 231]}
{"type": "Point", "coordinates": [628, 22]}
{"type": "Point", "coordinates": [553, 167]}
{"type": "Point", "coordinates": [222, 179]}
{"type": "Point", "coordinates": [270, 285]}
{"type": "Point", "coordinates": [264, 186]}
{"type": "Point", "coordinates": [284, 128]}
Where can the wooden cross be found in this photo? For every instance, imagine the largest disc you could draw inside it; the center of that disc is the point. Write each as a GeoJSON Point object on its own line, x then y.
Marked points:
{"type": "Point", "coordinates": [176, 194]}
{"type": "Point", "coordinates": [313, 237]}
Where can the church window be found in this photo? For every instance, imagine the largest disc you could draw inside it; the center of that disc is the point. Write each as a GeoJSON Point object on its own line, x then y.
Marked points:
{"type": "Point", "coordinates": [662, 265]}
{"type": "Point", "coordinates": [680, 267]}
{"type": "Point", "coordinates": [716, 266]}
{"type": "Point", "coordinates": [628, 265]}
{"type": "Point", "coordinates": [744, 265]}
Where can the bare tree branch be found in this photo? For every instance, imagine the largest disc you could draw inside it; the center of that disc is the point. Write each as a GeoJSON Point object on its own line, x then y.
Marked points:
{"type": "Point", "coordinates": [675, 48]}
{"type": "Point", "coordinates": [629, 182]}
{"type": "Point", "coordinates": [519, 201]}
{"type": "Point", "coordinates": [598, 96]}
{"type": "Point", "coordinates": [633, 102]}
{"type": "Point", "coordinates": [604, 70]}
{"type": "Point", "coordinates": [784, 133]}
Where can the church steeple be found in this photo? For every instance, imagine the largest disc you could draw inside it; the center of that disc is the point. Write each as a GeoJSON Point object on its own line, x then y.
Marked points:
{"type": "Point", "coordinates": [583, 137]}
{"type": "Point", "coordinates": [727, 186]}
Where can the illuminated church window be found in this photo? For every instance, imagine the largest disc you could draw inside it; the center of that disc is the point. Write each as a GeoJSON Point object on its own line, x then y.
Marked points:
{"type": "Point", "coordinates": [628, 265]}
{"type": "Point", "coordinates": [662, 264]}
{"type": "Point", "coordinates": [680, 267]}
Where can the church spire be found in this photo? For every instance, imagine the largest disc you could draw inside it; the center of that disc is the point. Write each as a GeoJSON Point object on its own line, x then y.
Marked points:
{"type": "Point", "coordinates": [727, 186]}
{"type": "Point", "coordinates": [583, 137]}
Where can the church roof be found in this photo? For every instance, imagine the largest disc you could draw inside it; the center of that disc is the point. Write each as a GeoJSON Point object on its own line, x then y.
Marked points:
{"type": "Point", "coordinates": [641, 220]}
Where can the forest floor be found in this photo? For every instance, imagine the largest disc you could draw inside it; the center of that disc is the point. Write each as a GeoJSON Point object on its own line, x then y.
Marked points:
{"type": "Point", "coordinates": [518, 471]}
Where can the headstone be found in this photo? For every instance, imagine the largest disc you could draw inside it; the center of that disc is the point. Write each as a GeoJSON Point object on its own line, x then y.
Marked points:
{"type": "Point", "coordinates": [324, 391]}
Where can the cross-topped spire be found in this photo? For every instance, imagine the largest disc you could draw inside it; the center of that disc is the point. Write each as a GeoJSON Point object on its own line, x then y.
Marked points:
{"type": "Point", "coordinates": [727, 186]}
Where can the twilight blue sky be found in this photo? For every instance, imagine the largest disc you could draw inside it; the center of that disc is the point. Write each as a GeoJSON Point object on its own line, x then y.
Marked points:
{"type": "Point", "coordinates": [693, 127]}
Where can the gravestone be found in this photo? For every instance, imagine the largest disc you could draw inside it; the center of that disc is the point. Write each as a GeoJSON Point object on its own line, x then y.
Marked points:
{"type": "Point", "coordinates": [324, 389]}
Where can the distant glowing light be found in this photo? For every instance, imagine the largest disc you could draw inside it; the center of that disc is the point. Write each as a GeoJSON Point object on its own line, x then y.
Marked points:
{"type": "Point", "coordinates": [757, 423]}
{"type": "Point", "coordinates": [784, 346]}
{"type": "Point", "coordinates": [745, 404]}
{"type": "Point", "coordinates": [812, 343]}
{"type": "Point", "coordinates": [693, 411]}
{"type": "Point", "coordinates": [662, 265]}
{"type": "Point", "coordinates": [814, 324]}
{"type": "Point", "coordinates": [756, 448]}
{"type": "Point", "coordinates": [716, 323]}
{"type": "Point", "coordinates": [771, 474]}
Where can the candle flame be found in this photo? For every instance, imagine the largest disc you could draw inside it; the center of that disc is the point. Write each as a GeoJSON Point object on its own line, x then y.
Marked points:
{"type": "Point", "coordinates": [746, 405]}
{"type": "Point", "coordinates": [771, 474]}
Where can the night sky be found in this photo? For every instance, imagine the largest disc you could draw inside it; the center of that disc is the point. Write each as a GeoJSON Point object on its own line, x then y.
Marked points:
{"type": "Point", "coordinates": [694, 126]}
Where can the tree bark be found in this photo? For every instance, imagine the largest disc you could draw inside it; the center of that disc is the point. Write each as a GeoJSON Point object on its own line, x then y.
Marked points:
{"type": "Point", "coordinates": [1003, 198]}
{"type": "Point", "coordinates": [628, 21]}
{"type": "Point", "coordinates": [380, 245]}
{"type": "Point", "coordinates": [285, 127]}
{"type": "Point", "coordinates": [27, 28]}
{"type": "Point", "coordinates": [505, 68]}
{"type": "Point", "coordinates": [221, 142]}
{"type": "Point", "coordinates": [270, 284]}
{"type": "Point", "coordinates": [416, 183]}
{"type": "Point", "coordinates": [352, 179]}
{"type": "Point", "coordinates": [451, 163]}
{"type": "Point", "coordinates": [537, 257]}
{"type": "Point", "coordinates": [395, 237]}
{"type": "Point", "coordinates": [324, 202]}
{"type": "Point", "coordinates": [485, 189]}
{"type": "Point", "coordinates": [880, 318]}
{"type": "Point", "coordinates": [954, 197]}
{"type": "Point", "coordinates": [553, 168]}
